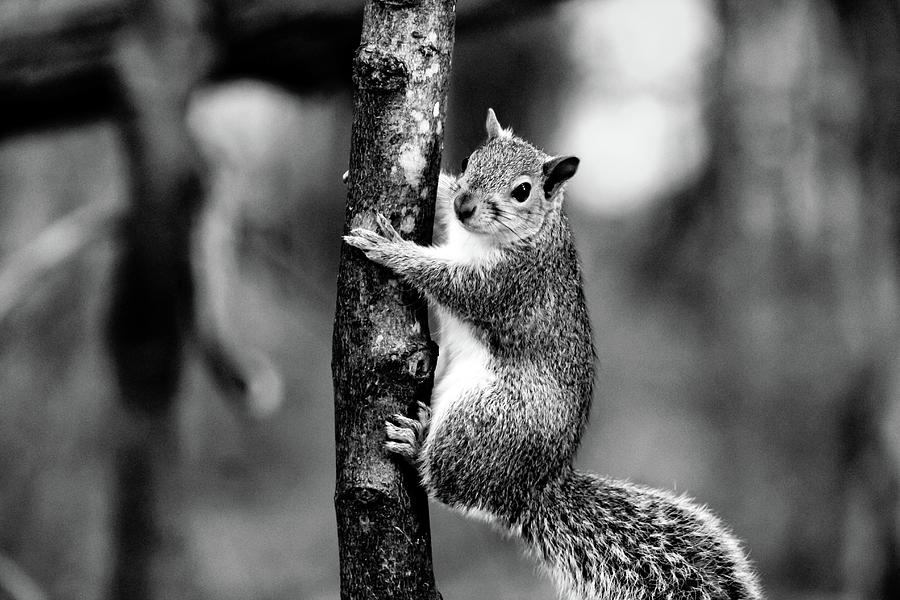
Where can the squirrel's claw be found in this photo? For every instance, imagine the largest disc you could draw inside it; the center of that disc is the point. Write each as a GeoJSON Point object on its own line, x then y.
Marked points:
{"type": "Point", "coordinates": [356, 241]}
{"type": "Point", "coordinates": [404, 451]}
{"type": "Point", "coordinates": [387, 229]}
{"type": "Point", "coordinates": [424, 415]}
{"type": "Point", "coordinates": [405, 424]}
{"type": "Point", "coordinates": [378, 247]}
{"type": "Point", "coordinates": [405, 436]}
{"type": "Point", "coordinates": [364, 239]}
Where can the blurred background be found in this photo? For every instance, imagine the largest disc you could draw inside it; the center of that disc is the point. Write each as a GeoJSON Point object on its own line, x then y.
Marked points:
{"type": "Point", "coordinates": [170, 211]}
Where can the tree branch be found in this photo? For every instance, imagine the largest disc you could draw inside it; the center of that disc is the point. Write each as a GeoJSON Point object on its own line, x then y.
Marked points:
{"type": "Point", "coordinates": [58, 67]}
{"type": "Point", "coordinates": [383, 360]}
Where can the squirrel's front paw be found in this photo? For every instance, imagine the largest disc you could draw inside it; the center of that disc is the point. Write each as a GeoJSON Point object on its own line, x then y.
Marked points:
{"type": "Point", "coordinates": [406, 436]}
{"type": "Point", "coordinates": [376, 246]}
{"type": "Point", "coordinates": [364, 239]}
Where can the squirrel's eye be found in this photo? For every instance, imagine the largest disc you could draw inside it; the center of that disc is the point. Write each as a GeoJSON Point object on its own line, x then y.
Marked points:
{"type": "Point", "coordinates": [521, 192]}
{"type": "Point", "coordinates": [464, 163]}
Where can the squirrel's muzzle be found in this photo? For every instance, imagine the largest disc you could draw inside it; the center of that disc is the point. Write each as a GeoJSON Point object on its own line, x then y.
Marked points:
{"type": "Point", "coordinates": [465, 206]}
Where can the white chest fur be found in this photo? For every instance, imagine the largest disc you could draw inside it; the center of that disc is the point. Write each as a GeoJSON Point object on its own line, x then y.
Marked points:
{"type": "Point", "coordinates": [462, 365]}
{"type": "Point", "coordinates": [465, 246]}
{"type": "Point", "coordinates": [463, 362]}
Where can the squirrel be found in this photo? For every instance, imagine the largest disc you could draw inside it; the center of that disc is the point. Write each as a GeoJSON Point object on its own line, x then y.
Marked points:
{"type": "Point", "coordinates": [514, 383]}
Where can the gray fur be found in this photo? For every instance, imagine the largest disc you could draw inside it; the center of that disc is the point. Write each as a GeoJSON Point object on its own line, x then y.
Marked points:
{"type": "Point", "coordinates": [504, 450]}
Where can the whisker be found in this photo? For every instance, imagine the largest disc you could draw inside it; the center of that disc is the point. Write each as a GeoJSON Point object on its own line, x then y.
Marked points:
{"type": "Point", "coordinates": [504, 218]}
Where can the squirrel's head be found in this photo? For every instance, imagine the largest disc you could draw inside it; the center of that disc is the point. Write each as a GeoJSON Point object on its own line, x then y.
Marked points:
{"type": "Point", "coordinates": [508, 187]}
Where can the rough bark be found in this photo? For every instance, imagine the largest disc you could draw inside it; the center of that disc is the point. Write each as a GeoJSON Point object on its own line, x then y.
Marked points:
{"type": "Point", "coordinates": [383, 359]}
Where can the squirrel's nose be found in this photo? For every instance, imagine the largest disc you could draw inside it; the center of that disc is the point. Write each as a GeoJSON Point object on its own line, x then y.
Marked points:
{"type": "Point", "coordinates": [465, 206]}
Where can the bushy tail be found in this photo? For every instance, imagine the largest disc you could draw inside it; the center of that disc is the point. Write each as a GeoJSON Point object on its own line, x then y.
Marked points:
{"type": "Point", "coordinates": [610, 540]}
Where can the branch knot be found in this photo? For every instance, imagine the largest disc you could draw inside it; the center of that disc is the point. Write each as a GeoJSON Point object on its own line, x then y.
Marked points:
{"type": "Point", "coordinates": [377, 70]}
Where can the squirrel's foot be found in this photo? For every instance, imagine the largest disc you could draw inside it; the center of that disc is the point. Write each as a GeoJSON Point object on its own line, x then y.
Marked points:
{"type": "Point", "coordinates": [405, 436]}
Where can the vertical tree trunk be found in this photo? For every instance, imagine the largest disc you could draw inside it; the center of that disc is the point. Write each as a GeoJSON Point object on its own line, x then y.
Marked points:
{"type": "Point", "coordinates": [160, 57]}
{"type": "Point", "coordinates": [383, 360]}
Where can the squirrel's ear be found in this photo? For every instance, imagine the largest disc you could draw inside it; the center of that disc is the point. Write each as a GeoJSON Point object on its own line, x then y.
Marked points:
{"type": "Point", "coordinates": [558, 170]}
{"type": "Point", "coordinates": [493, 125]}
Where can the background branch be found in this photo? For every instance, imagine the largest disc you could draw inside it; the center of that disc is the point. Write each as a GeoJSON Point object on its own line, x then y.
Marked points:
{"type": "Point", "coordinates": [161, 55]}
{"type": "Point", "coordinates": [57, 66]}
{"type": "Point", "coordinates": [53, 248]}
{"type": "Point", "coordinates": [16, 584]}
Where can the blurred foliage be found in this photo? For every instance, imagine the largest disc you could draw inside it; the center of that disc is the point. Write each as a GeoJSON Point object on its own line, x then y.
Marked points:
{"type": "Point", "coordinates": [736, 215]}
